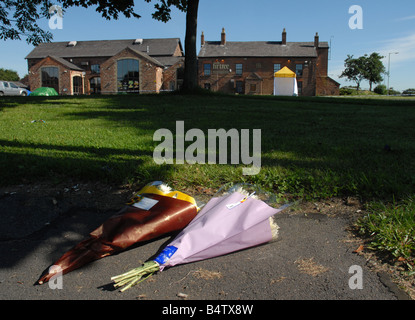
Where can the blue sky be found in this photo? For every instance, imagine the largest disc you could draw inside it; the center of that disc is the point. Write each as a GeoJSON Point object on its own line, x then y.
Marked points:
{"type": "Point", "coordinates": [387, 27]}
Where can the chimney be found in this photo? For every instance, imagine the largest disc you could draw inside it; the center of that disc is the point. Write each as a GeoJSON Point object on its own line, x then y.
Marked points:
{"type": "Point", "coordinates": [284, 37]}
{"type": "Point", "coordinates": [202, 39]}
{"type": "Point", "coordinates": [316, 40]}
{"type": "Point", "coordinates": [223, 37]}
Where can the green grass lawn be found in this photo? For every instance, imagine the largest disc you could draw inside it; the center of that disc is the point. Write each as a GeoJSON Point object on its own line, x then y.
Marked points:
{"type": "Point", "coordinates": [315, 147]}
{"type": "Point", "coordinates": [312, 148]}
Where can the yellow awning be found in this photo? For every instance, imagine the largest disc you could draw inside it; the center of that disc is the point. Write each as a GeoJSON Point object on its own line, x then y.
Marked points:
{"type": "Point", "coordinates": [284, 73]}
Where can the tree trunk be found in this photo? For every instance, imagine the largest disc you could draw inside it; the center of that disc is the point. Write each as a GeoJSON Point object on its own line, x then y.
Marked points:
{"type": "Point", "coordinates": [190, 65]}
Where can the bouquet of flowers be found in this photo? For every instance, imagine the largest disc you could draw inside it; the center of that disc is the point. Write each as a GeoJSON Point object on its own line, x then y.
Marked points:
{"type": "Point", "coordinates": [233, 221]}
{"type": "Point", "coordinates": [155, 210]}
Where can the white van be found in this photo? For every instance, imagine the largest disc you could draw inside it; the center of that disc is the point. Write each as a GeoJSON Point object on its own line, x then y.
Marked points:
{"type": "Point", "coordinates": [8, 88]}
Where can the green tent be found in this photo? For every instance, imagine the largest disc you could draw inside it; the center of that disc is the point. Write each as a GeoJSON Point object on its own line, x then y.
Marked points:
{"type": "Point", "coordinates": [44, 91]}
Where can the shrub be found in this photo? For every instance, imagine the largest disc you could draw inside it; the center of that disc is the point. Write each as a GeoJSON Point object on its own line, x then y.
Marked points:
{"type": "Point", "coordinates": [381, 89]}
{"type": "Point", "coordinates": [392, 91]}
{"type": "Point", "coordinates": [345, 91]}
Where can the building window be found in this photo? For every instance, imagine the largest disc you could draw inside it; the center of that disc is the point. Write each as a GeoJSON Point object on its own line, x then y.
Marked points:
{"type": "Point", "coordinates": [239, 69]}
{"type": "Point", "coordinates": [77, 85]}
{"type": "Point", "coordinates": [95, 85]}
{"type": "Point", "coordinates": [128, 79]}
{"type": "Point", "coordinates": [299, 69]}
{"type": "Point", "coordinates": [252, 88]}
{"type": "Point", "coordinates": [207, 86]}
{"type": "Point", "coordinates": [50, 77]}
{"type": "Point", "coordinates": [258, 65]}
{"type": "Point", "coordinates": [207, 69]}
{"type": "Point", "coordinates": [277, 67]}
{"type": "Point", "coordinates": [95, 68]}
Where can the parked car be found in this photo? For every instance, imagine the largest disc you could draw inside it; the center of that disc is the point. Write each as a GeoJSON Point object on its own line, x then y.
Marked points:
{"type": "Point", "coordinates": [8, 88]}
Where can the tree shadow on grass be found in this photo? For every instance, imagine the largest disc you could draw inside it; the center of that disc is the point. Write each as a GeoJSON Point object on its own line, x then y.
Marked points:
{"type": "Point", "coordinates": [17, 168]}
{"type": "Point", "coordinates": [16, 101]}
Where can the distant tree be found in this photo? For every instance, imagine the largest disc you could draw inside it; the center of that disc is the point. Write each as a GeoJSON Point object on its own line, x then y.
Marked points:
{"type": "Point", "coordinates": [8, 75]}
{"type": "Point", "coordinates": [409, 91]}
{"type": "Point", "coordinates": [373, 68]}
{"type": "Point", "coordinates": [367, 67]}
{"type": "Point", "coordinates": [354, 70]}
{"type": "Point", "coordinates": [19, 18]}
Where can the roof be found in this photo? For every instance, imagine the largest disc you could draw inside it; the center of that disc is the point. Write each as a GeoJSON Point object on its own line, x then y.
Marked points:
{"type": "Point", "coordinates": [169, 61]}
{"type": "Point", "coordinates": [66, 63]}
{"type": "Point", "coordinates": [104, 48]}
{"type": "Point", "coordinates": [254, 76]}
{"type": "Point", "coordinates": [259, 49]}
{"type": "Point", "coordinates": [146, 56]}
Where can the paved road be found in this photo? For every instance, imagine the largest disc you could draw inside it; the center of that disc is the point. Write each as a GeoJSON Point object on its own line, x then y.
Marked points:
{"type": "Point", "coordinates": [312, 259]}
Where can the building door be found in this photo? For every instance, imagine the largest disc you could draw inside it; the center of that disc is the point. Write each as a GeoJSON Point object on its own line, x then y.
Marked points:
{"type": "Point", "coordinates": [239, 87]}
{"type": "Point", "coordinates": [95, 85]}
{"type": "Point", "coordinates": [77, 86]}
{"type": "Point", "coordinates": [179, 77]}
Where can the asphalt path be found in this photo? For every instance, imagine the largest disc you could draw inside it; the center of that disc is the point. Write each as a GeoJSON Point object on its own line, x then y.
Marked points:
{"type": "Point", "coordinates": [313, 259]}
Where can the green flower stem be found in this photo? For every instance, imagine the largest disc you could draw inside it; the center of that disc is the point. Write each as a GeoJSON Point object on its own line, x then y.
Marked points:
{"type": "Point", "coordinates": [135, 276]}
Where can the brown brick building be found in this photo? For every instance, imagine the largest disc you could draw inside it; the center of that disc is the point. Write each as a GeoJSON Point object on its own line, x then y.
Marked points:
{"type": "Point", "coordinates": [249, 67]}
{"type": "Point", "coordinates": [107, 66]}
